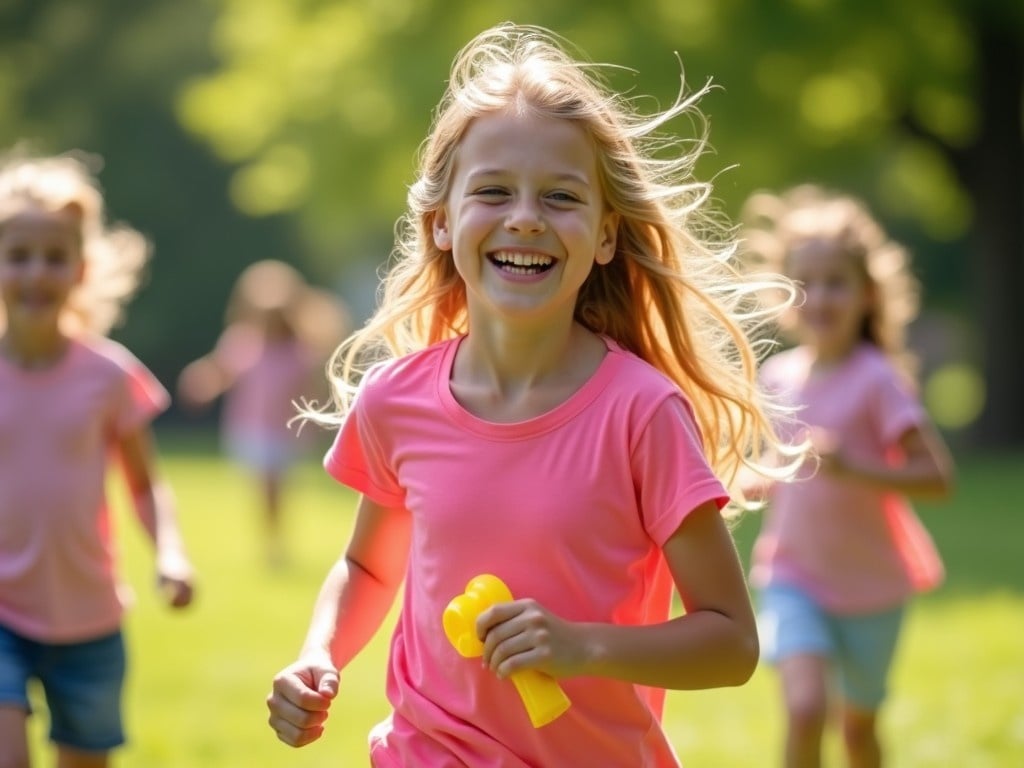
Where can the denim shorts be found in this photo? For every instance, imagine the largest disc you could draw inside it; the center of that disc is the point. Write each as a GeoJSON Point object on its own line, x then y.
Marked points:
{"type": "Point", "coordinates": [860, 647]}
{"type": "Point", "coordinates": [82, 683]}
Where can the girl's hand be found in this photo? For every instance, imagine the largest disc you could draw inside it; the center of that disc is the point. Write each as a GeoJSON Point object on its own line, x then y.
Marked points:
{"type": "Point", "coordinates": [300, 699]}
{"type": "Point", "coordinates": [523, 634]}
{"type": "Point", "coordinates": [175, 580]}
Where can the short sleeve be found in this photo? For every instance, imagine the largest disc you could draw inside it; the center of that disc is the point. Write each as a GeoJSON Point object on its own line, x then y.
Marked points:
{"type": "Point", "coordinates": [670, 472]}
{"type": "Point", "coordinates": [356, 459]}
{"type": "Point", "coordinates": [144, 397]}
{"type": "Point", "coordinates": [896, 408]}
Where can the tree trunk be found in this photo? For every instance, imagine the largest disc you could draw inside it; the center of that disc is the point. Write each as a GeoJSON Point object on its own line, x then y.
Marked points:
{"type": "Point", "coordinates": [995, 177]}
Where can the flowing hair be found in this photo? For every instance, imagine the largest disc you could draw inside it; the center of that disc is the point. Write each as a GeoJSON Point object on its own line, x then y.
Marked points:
{"type": "Point", "coordinates": [114, 254]}
{"type": "Point", "coordinates": [671, 294]}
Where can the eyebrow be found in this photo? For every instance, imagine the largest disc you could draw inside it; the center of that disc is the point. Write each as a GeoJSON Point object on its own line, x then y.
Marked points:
{"type": "Point", "coordinates": [562, 177]}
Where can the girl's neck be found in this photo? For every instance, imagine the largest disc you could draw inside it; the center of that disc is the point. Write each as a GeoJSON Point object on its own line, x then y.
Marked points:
{"type": "Point", "coordinates": [33, 352]}
{"type": "Point", "coordinates": [824, 360]}
{"type": "Point", "coordinates": [506, 377]}
{"type": "Point", "coordinates": [512, 359]}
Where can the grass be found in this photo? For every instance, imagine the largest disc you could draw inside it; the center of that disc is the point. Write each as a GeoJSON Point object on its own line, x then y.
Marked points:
{"type": "Point", "coordinates": [197, 682]}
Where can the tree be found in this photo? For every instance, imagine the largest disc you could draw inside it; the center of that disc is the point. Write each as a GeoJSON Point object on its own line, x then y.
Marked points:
{"type": "Point", "coordinates": [99, 77]}
{"type": "Point", "coordinates": [914, 105]}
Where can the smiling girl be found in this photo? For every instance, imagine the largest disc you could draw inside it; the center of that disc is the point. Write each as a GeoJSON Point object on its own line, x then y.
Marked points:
{"type": "Point", "coordinates": [841, 551]}
{"type": "Point", "coordinates": [557, 388]}
{"type": "Point", "coordinates": [72, 401]}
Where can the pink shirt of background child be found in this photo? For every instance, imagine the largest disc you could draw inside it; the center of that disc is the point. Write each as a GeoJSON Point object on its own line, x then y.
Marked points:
{"type": "Point", "coordinates": [570, 508]}
{"type": "Point", "coordinates": [267, 378]}
{"type": "Point", "coordinates": [58, 578]}
{"type": "Point", "coordinates": [853, 548]}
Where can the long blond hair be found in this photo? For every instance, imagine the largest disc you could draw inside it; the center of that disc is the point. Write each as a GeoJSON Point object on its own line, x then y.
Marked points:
{"type": "Point", "coordinates": [670, 294]}
{"type": "Point", "coordinates": [778, 223]}
{"type": "Point", "coordinates": [114, 255]}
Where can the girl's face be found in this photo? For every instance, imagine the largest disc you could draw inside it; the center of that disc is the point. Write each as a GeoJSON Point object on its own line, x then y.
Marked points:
{"type": "Point", "coordinates": [837, 298]}
{"type": "Point", "coordinates": [40, 263]}
{"type": "Point", "coordinates": [525, 216]}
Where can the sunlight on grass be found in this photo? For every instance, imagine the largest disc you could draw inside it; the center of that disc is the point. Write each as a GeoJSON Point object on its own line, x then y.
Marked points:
{"type": "Point", "coordinates": [198, 679]}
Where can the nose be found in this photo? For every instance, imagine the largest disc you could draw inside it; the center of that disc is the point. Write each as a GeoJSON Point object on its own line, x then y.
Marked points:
{"type": "Point", "coordinates": [525, 218]}
{"type": "Point", "coordinates": [34, 269]}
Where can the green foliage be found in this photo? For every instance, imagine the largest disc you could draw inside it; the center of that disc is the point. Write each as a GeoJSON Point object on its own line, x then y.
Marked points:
{"type": "Point", "coordinates": [198, 680]}
{"type": "Point", "coordinates": [101, 76]}
{"type": "Point", "coordinates": [343, 91]}
{"type": "Point", "coordinates": [234, 130]}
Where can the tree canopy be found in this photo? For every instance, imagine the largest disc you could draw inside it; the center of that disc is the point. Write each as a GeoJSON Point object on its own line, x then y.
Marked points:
{"type": "Point", "coordinates": [241, 129]}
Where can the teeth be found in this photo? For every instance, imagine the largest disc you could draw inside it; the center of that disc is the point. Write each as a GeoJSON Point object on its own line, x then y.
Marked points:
{"type": "Point", "coordinates": [522, 259]}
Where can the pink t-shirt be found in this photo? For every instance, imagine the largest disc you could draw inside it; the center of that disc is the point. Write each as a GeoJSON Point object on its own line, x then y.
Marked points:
{"type": "Point", "coordinates": [268, 377]}
{"type": "Point", "coordinates": [855, 549]}
{"type": "Point", "coordinates": [57, 428]}
{"type": "Point", "coordinates": [570, 508]}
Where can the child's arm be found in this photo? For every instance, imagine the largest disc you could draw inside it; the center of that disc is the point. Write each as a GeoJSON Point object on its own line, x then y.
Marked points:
{"type": "Point", "coordinates": [202, 381]}
{"type": "Point", "coordinates": [756, 487]}
{"type": "Point", "coordinates": [926, 470]}
{"type": "Point", "coordinates": [715, 644]}
{"type": "Point", "coordinates": [155, 508]}
{"type": "Point", "coordinates": [353, 602]}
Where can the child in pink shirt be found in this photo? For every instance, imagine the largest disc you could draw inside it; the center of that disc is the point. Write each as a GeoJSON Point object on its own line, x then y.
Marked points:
{"type": "Point", "coordinates": [561, 390]}
{"type": "Point", "coordinates": [70, 400]}
{"type": "Point", "coordinates": [840, 550]}
{"type": "Point", "coordinates": [278, 334]}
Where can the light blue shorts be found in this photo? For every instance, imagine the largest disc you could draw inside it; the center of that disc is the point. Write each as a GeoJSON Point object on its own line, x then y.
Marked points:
{"type": "Point", "coordinates": [82, 683]}
{"type": "Point", "coordinates": [860, 647]}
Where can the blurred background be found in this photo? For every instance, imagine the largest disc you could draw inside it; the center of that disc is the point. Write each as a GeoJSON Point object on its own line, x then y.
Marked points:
{"type": "Point", "coordinates": [237, 130]}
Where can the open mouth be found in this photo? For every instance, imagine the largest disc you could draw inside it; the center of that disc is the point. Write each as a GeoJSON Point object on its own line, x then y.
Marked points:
{"type": "Point", "coordinates": [517, 263]}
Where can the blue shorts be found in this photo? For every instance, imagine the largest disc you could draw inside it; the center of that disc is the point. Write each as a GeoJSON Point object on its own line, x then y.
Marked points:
{"type": "Point", "coordinates": [82, 683]}
{"type": "Point", "coordinates": [861, 647]}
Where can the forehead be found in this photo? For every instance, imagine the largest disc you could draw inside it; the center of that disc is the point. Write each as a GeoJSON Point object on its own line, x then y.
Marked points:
{"type": "Point", "coordinates": [525, 141]}
{"type": "Point", "coordinates": [818, 255]}
{"type": "Point", "coordinates": [35, 223]}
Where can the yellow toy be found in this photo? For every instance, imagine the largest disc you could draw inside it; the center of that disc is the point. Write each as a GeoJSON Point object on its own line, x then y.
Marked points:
{"type": "Point", "coordinates": [543, 698]}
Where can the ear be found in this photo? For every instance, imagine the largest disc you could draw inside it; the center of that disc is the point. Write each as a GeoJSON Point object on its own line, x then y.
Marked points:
{"type": "Point", "coordinates": [442, 234]}
{"type": "Point", "coordinates": [608, 239]}
{"type": "Point", "coordinates": [74, 209]}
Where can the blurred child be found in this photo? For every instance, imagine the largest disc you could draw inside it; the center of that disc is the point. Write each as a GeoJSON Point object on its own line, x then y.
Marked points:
{"type": "Point", "coordinates": [278, 334]}
{"type": "Point", "coordinates": [566, 377]}
{"type": "Point", "coordinates": [70, 401]}
{"type": "Point", "coordinates": [841, 551]}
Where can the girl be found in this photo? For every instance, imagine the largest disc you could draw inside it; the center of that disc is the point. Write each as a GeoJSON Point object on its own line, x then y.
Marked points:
{"type": "Point", "coordinates": [275, 339]}
{"type": "Point", "coordinates": [70, 398]}
{"type": "Point", "coordinates": [840, 552]}
{"type": "Point", "coordinates": [566, 369]}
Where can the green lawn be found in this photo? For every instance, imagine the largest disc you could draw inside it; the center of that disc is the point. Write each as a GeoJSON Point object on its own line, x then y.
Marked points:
{"type": "Point", "coordinates": [198, 679]}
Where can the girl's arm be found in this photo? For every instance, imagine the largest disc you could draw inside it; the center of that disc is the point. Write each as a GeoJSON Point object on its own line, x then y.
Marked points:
{"type": "Point", "coordinates": [156, 510]}
{"type": "Point", "coordinates": [202, 381]}
{"type": "Point", "coordinates": [352, 604]}
{"type": "Point", "coordinates": [926, 471]}
{"type": "Point", "coordinates": [361, 587]}
{"type": "Point", "coordinates": [714, 644]}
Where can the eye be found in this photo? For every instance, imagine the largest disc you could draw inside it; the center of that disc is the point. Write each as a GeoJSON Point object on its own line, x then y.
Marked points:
{"type": "Point", "coordinates": [563, 196]}
{"type": "Point", "coordinates": [57, 257]}
{"type": "Point", "coordinates": [17, 254]}
{"type": "Point", "coordinates": [836, 283]}
{"type": "Point", "coordinates": [492, 193]}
